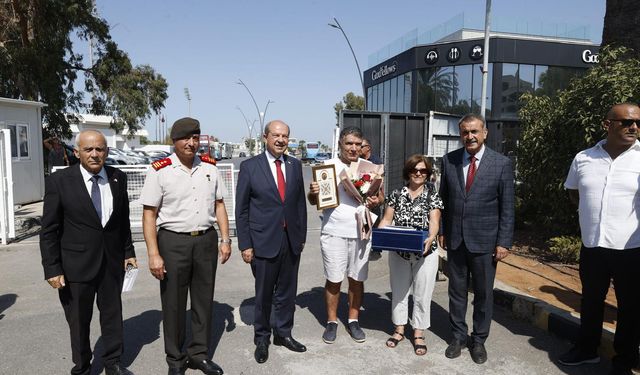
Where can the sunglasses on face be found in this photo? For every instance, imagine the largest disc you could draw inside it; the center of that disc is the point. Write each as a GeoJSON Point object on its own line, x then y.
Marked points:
{"type": "Point", "coordinates": [422, 171]}
{"type": "Point", "coordinates": [627, 122]}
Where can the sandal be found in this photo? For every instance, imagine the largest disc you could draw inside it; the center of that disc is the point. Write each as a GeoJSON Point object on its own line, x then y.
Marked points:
{"type": "Point", "coordinates": [392, 342]}
{"type": "Point", "coordinates": [418, 348]}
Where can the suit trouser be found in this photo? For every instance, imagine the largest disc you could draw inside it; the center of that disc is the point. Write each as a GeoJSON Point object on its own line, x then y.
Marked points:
{"type": "Point", "coordinates": [191, 264]}
{"type": "Point", "coordinates": [276, 282]}
{"type": "Point", "coordinates": [482, 268]}
{"type": "Point", "coordinates": [419, 278]}
{"type": "Point", "coordinates": [77, 301]}
{"type": "Point", "coordinates": [597, 267]}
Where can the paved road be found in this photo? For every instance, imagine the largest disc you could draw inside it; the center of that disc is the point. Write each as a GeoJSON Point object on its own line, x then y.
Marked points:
{"type": "Point", "coordinates": [34, 336]}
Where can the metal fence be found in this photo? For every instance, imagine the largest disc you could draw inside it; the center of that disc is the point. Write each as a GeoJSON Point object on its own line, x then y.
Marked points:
{"type": "Point", "coordinates": [136, 175]}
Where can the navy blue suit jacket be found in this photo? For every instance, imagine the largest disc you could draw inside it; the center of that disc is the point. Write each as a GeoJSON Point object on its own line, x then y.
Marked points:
{"type": "Point", "coordinates": [260, 213]}
{"type": "Point", "coordinates": [483, 218]}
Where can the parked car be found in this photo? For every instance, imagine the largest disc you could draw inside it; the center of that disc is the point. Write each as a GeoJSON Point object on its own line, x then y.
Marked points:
{"type": "Point", "coordinates": [110, 161]}
{"type": "Point", "coordinates": [242, 155]}
{"type": "Point", "coordinates": [322, 156]}
{"type": "Point", "coordinates": [118, 157]}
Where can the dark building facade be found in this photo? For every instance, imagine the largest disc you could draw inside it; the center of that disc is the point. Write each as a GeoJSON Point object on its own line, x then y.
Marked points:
{"type": "Point", "coordinates": [446, 76]}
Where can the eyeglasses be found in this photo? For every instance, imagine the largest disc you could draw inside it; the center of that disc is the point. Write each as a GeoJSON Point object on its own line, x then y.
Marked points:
{"type": "Point", "coordinates": [627, 122]}
{"type": "Point", "coordinates": [422, 171]}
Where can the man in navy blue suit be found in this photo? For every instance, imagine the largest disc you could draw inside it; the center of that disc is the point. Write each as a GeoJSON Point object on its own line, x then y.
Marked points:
{"type": "Point", "coordinates": [478, 218]}
{"type": "Point", "coordinates": [271, 220]}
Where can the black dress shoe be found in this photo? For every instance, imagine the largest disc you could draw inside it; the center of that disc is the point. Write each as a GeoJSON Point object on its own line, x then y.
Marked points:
{"type": "Point", "coordinates": [206, 366]}
{"type": "Point", "coordinates": [478, 353]}
{"type": "Point", "coordinates": [176, 371]}
{"type": "Point", "coordinates": [262, 352]}
{"type": "Point", "coordinates": [116, 369]}
{"type": "Point", "coordinates": [454, 349]}
{"type": "Point", "coordinates": [289, 343]}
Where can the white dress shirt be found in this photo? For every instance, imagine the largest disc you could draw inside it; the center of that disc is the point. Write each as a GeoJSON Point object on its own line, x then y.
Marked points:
{"type": "Point", "coordinates": [272, 165]}
{"type": "Point", "coordinates": [609, 196]}
{"type": "Point", "coordinates": [466, 162]}
{"type": "Point", "coordinates": [106, 199]}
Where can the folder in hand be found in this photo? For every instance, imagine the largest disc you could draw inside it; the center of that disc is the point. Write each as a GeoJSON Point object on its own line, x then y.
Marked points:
{"type": "Point", "coordinates": [129, 278]}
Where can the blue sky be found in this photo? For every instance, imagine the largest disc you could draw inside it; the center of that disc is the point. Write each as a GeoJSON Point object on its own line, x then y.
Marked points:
{"type": "Point", "coordinates": [284, 50]}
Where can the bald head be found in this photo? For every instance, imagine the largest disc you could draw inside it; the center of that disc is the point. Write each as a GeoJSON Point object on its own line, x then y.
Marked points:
{"type": "Point", "coordinates": [274, 122]}
{"type": "Point", "coordinates": [91, 149]}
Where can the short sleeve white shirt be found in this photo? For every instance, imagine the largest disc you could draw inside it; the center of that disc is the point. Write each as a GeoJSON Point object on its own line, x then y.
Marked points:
{"type": "Point", "coordinates": [185, 197]}
{"type": "Point", "coordinates": [341, 221]}
{"type": "Point", "coordinates": [609, 190]}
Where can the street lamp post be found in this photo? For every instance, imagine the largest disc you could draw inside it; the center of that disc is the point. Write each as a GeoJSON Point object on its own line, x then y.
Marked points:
{"type": "Point", "coordinates": [262, 114]}
{"type": "Point", "coordinates": [188, 96]}
{"type": "Point", "coordinates": [337, 26]}
{"type": "Point", "coordinates": [249, 127]}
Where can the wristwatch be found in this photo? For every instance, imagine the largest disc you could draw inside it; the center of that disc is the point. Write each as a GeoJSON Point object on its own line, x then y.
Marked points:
{"type": "Point", "coordinates": [226, 241]}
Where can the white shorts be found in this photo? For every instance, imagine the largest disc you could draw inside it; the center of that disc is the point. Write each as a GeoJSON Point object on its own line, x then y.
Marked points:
{"type": "Point", "coordinates": [344, 256]}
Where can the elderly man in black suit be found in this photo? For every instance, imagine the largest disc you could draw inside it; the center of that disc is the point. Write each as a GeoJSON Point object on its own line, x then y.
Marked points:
{"type": "Point", "coordinates": [86, 245]}
{"type": "Point", "coordinates": [478, 193]}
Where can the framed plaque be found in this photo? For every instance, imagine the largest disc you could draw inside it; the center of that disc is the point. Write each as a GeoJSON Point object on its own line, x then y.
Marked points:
{"type": "Point", "coordinates": [325, 176]}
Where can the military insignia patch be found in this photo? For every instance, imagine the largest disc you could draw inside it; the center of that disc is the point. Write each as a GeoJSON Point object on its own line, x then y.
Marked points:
{"type": "Point", "coordinates": [208, 159]}
{"type": "Point", "coordinates": [159, 164]}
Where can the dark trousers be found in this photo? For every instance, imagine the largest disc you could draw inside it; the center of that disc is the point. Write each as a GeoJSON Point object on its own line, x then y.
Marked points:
{"type": "Point", "coordinates": [276, 281]}
{"type": "Point", "coordinates": [77, 301]}
{"type": "Point", "coordinates": [191, 264]}
{"type": "Point", "coordinates": [482, 269]}
{"type": "Point", "coordinates": [597, 267]}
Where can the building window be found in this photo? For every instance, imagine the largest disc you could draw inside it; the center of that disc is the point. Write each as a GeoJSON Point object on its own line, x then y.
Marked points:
{"type": "Point", "coordinates": [509, 86]}
{"type": "Point", "coordinates": [476, 101]}
{"type": "Point", "coordinates": [380, 107]}
{"type": "Point", "coordinates": [386, 107]}
{"type": "Point", "coordinates": [462, 87]}
{"type": "Point", "coordinates": [407, 92]}
{"type": "Point", "coordinates": [370, 98]}
{"type": "Point", "coordinates": [19, 141]}
{"type": "Point", "coordinates": [393, 99]}
{"type": "Point", "coordinates": [444, 84]}
{"type": "Point", "coordinates": [400, 97]}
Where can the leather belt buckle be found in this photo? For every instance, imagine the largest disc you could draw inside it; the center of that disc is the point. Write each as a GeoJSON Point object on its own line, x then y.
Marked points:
{"type": "Point", "coordinates": [195, 233]}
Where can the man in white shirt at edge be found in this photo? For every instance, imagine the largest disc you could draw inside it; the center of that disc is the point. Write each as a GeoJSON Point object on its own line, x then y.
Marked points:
{"type": "Point", "coordinates": [605, 181]}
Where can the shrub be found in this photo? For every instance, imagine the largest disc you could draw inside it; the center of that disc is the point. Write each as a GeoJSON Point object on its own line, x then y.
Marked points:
{"type": "Point", "coordinates": [555, 129]}
{"type": "Point", "coordinates": [565, 249]}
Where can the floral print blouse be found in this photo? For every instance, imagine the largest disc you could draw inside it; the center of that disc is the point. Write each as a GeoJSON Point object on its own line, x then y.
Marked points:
{"type": "Point", "coordinates": [414, 213]}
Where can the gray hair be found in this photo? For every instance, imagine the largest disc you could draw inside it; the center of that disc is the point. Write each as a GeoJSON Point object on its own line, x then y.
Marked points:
{"type": "Point", "coordinates": [472, 117]}
{"type": "Point", "coordinates": [351, 130]}
{"type": "Point", "coordinates": [77, 141]}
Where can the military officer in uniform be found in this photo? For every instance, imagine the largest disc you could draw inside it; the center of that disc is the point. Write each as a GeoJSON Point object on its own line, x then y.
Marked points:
{"type": "Point", "coordinates": [183, 198]}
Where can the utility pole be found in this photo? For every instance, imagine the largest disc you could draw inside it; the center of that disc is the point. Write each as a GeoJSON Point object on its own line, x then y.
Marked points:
{"type": "Point", "coordinates": [485, 59]}
{"type": "Point", "coordinates": [188, 96]}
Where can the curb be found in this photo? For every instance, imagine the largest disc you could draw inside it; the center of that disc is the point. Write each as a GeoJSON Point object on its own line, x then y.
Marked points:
{"type": "Point", "coordinates": [549, 318]}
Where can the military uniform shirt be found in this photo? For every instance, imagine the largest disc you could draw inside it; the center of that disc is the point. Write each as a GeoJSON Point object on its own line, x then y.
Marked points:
{"type": "Point", "coordinates": [185, 198]}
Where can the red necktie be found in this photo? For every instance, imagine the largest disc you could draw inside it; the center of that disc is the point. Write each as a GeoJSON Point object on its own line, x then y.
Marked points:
{"type": "Point", "coordinates": [471, 173]}
{"type": "Point", "coordinates": [282, 185]}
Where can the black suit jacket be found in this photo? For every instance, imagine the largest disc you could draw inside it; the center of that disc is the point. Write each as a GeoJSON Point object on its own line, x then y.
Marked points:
{"type": "Point", "coordinates": [260, 212]}
{"type": "Point", "coordinates": [73, 242]}
{"type": "Point", "coordinates": [483, 218]}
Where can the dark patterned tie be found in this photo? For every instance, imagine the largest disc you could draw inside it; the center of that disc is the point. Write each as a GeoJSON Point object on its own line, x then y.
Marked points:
{"type": "Point", "coordinates": [282, 185]}
{"type": "Point", "coordinates": [95, 195]}
{"type": "Point", "coordinates": [471, 173]}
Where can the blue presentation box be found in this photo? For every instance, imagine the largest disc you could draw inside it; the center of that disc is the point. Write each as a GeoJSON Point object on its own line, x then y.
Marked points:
{"type": "Point", "coordinates": [398, 239]}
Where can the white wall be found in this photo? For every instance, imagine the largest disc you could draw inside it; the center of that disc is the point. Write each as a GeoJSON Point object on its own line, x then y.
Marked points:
{"type": "Point", "coordinates": [28, 173]}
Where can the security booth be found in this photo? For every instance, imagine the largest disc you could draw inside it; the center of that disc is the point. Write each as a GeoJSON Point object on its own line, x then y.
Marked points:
{"type": "Point", "coordinates": [23, 120]}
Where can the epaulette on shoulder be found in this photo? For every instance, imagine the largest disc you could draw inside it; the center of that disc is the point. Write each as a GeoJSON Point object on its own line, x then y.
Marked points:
{"type": "Point", "coordinates": [208, 159]}
{"type": "Point", "coordinates": [159, 164]}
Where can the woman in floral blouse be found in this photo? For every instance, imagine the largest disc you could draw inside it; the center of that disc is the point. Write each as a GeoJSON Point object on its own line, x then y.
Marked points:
{"type": "Point", "coordinates": [416, 205]}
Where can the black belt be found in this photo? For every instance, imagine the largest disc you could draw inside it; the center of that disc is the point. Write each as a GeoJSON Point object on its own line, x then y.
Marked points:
{"type": "Point", "coordinates": [194, 233]}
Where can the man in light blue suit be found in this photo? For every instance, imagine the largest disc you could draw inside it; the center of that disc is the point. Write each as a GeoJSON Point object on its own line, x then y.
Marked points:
{"type": "Point", "coordinates": [477, 189]}
{"type": "Point", "coordinates": [271, 220]}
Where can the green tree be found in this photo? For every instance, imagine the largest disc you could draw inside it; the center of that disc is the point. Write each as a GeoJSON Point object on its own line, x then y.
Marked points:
{"type": "Point", "coordinates": [38, 62]}
{"type": "Point", "coordinates": [349, 101]}
{"type": "Point", "coordinates": [555, 129]}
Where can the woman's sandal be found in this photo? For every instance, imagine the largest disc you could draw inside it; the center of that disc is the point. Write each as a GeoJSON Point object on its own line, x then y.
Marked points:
{"type": "Point", "coordinates": [392, 342]}
{"type": "Point", "coordinates": [417, 348]}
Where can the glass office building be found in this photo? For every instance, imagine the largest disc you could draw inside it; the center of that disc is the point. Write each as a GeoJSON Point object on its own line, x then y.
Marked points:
{"type": "Point", "coordinates": [446, 76]}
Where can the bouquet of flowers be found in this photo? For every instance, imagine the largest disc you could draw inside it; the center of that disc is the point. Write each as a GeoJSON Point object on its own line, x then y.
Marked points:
{"type": "Point", "coordinates": [363, 179]}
